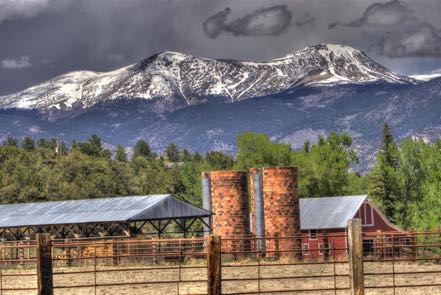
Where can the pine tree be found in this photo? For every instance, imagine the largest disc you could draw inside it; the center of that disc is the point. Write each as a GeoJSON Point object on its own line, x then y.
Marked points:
{"type": "Point", "coordinates": [383, 179]}
{"type": "Point", "coordinates": [172, 153]}
{"type": "Point", "coordinates": [142, 149]}
{"type": "Point", "coordinates": [11, 141]}
{"type": "Point", "coordinates": [120, 154]}
{"type": "Point", "coordinates": [28, 144]}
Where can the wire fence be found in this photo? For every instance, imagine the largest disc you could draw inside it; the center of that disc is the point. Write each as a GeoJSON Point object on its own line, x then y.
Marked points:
{"type": "Point", "coordinates": [393, 263]}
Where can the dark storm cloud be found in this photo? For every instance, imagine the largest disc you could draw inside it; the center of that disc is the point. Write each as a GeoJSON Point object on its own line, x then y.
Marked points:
{"type": "Point", "coordinates": [385, 14]}
{"type": "Point", "coordinates": [407, 35]}
{"type": "Point", "coordinates": [381, 15]}
{"type": "Point", "coordinates": [215, 24]}
{"type": "Point", "coordinates": [40, 39]}
{"type": "Point", "coordinates": [23, 9]}
{"type": "Point", "coordinates": [421, 40]}
{"type": "Point", "coordinates": [263, 22]}
{"type": "Point", "coordinates": [307, 20]}
{"type": "Point", "coordinates": [10, 9]}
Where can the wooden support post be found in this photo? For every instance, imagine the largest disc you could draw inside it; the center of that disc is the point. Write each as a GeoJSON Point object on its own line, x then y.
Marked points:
{"type": "Point", "coordinates": [214, 265]}
{"type": "Point", "coordinates": [44, 264]}
{"type": "Point", "coordinates": [355, 243]}
{"type": "Point", "coordinates": [413, 243]}
{"type": "Point", "coordinates": [325, 245]}
{"type": "Point", "coordinates": [67, 251]}
{"type": "Point", "coordinates": [115, 253]}
{"type": "Point", "coordinates": [21, 253]}
{"type": "Point", "coordinates": [277, 245]}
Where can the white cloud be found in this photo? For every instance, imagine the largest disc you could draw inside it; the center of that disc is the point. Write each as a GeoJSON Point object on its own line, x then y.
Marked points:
{"type": "Point", "coordinates": [20, 63]}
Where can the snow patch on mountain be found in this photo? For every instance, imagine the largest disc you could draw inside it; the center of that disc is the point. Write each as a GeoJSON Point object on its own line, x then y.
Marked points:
{"type": "Point", "coordinates": [426, 77]}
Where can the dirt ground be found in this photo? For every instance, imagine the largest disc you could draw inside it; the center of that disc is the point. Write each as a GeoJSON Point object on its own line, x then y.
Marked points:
{"type": "Point", "coordinates": [193, 280]}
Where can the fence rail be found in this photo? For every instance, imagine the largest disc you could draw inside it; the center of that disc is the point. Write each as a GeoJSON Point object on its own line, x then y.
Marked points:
{"type": "Point", "coordinates": [392, 263]}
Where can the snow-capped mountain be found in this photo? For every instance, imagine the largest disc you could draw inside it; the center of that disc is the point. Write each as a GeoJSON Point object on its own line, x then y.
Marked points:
{"type": "Point", "coordinates": [187, 100]}
{"type": "Point", "coordinates": [177, 80]}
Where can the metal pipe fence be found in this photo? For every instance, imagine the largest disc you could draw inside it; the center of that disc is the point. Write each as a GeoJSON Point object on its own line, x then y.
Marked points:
{"type": "Point", "coordinates": [393, 262]}
{"type": "Point", "coordinates": [403, 262]}
{"type": "Point", "coordinates": [285, 266]}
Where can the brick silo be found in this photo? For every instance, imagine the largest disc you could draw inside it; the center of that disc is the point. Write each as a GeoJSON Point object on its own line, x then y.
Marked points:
{"type": "Point", "coordinates": [229, 204]}
{"type": "Point", "coordinates": [276, 188]}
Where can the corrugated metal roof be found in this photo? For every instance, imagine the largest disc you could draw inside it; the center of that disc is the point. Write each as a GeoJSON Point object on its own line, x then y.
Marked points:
{"type": "Point", "coordinates": [328, 212]}
{"type": "Point", "coordinates": [118, 209]}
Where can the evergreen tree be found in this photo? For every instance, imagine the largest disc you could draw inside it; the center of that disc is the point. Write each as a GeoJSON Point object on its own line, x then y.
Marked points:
{"type": "Point", "coordinates": [120, 154]}
{"type": "Point", "coordinates": [306, 146]}
{"type": "Point", "coordinates": [62, 148]}
{"type": "Point", "coordinates": [28, 144]}
{"type": "Point", "coordinates": [172, 153]}
{"type": "Point", "coordinates": [11, 141]}
{"type": "Point", "coordinates": [142, 149]}
{"type": "Point", "coordinates": [186, 156]}
{"type": "Point", "coordinates": [383, 179]}
{"type": "Point", "coordinates": [219, 161]}
{"type": "Point", "coordinates": [93, 147]}
{"type": "Point", "coordinates": [42, 143]}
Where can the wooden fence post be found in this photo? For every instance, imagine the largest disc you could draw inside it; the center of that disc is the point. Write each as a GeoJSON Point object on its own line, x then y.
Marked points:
{"type": "Point", "coordinates": [214, 286]}
{"type": "Point", "coordinates": [355, 243]}
{"type": "Point", "coordinates": [44, 264]}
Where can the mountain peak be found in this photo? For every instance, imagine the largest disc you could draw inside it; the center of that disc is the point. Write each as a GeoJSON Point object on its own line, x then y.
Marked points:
{"type": "Point", "coordinates": [176, 80]}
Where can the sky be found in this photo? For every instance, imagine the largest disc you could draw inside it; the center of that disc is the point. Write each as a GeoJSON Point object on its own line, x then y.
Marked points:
{"type": "Point", "coordinates": [40, 39]}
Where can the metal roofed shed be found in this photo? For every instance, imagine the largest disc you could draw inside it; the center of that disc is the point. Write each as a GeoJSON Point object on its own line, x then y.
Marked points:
{"type": "Point", "coordinates": [328, 212]}
{"type": "Point", "coordinates": [118, 216]}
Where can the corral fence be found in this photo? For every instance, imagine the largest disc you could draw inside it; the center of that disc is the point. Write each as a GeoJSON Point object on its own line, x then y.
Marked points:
{"type": "Point", "coordinates": [346, 263]}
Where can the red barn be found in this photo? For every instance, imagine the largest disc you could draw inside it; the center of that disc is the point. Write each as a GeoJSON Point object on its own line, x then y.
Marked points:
{"type": "Point", "coordinates": [324, 224]}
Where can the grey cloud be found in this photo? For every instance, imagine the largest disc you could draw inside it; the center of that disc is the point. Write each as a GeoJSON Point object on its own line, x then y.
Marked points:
{"type": "Point", "coordinates": [215, 24]}
{"type": "Point", "coordinates": [422, 40]}
{"type": "Point", "coordinates": [307, 20]}
{"type": "Point", "coordinates": [263, 22]}
{"type": "Point", "coordinates": [16, 64]}
{"type": "Point", "coordinates": [407, 37]}
{"type": "Point", "coordinates": [334, 25]}
{"type": "Point", "coordinates": [12, 9]}
{"type": "Point", "coordinates": [385, 14]}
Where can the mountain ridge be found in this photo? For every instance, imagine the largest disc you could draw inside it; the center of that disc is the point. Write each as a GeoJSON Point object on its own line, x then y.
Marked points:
{"type": "Point", "coordinates": [182, 79]}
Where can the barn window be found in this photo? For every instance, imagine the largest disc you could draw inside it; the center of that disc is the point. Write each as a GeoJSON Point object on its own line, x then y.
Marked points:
{"type": "Point", "coordinates": [367, 215]}
{"type": "Point", "coordinates": [321, 249]}
{"type": "Point", "coordinates": [313, 234]}
{"type": "Point", "coordinates": [306, 249]}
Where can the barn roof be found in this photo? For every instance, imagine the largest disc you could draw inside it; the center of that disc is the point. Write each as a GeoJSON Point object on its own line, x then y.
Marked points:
{"type": "Point", "coordinates": [118, 209]}
{"type": "Point", "coordinates": [328, 212]}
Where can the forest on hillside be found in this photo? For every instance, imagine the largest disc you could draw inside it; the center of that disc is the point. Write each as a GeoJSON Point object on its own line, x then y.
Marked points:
{"type": "Point", "coordinates": [405, 180]}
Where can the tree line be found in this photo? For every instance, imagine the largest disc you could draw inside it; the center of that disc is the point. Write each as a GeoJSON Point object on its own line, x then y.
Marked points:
{"type": "Point", "coordinates": [405, 180]}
